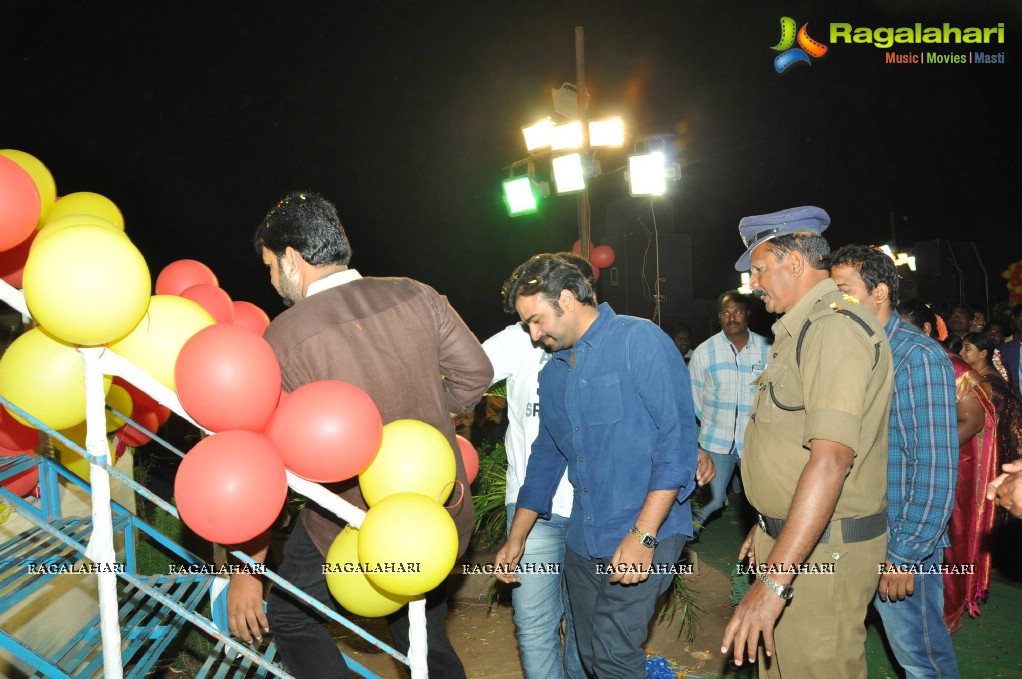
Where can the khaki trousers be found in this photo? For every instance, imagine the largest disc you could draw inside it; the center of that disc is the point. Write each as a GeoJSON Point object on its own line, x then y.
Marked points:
{"type": "Point", "coordinates": [822, 632]}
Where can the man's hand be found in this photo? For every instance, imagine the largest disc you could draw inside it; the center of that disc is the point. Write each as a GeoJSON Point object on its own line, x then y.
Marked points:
{"type": "Point", "coordinates": [895, 586]}
{"type": "Point", "coordinates": [245, 613]}
{"type": "Point", "coordinates": [749, 548]}
{"type": "Point", "coordinates": [631, 562]}
{"type": "Point", "coordinates": [755, 615]}
{"type": "Point", "coordinates": [1006, 489]}
{"type": "Point", "coordinates": [705, 471]}
{"type": "Point", "coordinates": [507, 559]}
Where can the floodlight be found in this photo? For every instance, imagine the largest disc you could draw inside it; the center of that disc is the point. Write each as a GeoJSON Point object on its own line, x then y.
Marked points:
{"type": "Point", "coordinates": [566, 136]}
{"type": "Point", "coordinates": [568, 173]}
{"type": "Point", "coordinates": [745, 288]}
{"type": "Point", "coordinates": [886, 249]}
{"type": "Point", "coordinates": [609, 132]}
{"type": "Point", "coordinates": [537, 135]}
{"type": "Point", "coordinates": [519, 196]}
{"type": "Point", "coordinates": [647, 174]}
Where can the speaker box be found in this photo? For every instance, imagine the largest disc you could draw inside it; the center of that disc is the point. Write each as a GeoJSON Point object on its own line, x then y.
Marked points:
{"type": "Point", "coordinates": [647, 250]}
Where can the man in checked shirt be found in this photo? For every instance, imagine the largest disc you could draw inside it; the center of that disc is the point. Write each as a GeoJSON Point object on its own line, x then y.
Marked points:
{"type": "Point", "coordinates": [723, 371]}
{"type": "Point", "coordinates": [922, 467]}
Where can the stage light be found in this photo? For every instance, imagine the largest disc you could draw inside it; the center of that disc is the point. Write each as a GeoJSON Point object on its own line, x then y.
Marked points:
{"type": "Point", "coordinates": [609, 132]}
{"type": "Point", "coordinates": [745, 288]}
{"type": "Point", "coordinates": [537, 135]}
{"type": "Point", "coordinates": [647, 174]}
{"type": "Point", "coordinates": [568, 173]}
{"type": "Point", "coordinates": [566, 136]}
{"type": "Point", "coordinates": [519, 196]}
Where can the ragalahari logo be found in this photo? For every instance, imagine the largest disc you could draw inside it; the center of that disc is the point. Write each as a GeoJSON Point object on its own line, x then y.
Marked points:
{"type": "Point", "coordinates": [807, 47]}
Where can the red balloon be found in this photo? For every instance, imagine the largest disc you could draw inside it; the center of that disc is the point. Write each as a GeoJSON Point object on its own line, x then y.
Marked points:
{"type": "Point", "coordinates": [143, 401]}
{"type": "Point", "coordinates": [213, 299]}
{"type": "Point", "coordinates": [596, 273]}
{"type": "Point", "coordinates": [20, 204]}
{"type": "Point", "coordinates": [577, 247]}
{"type": "Point", "coordinates": [227, 377]}
{"type": "Point", "coordinates": [24, 483]}
{"type": "Point", "coordinates": [12, 262]}
{"type": "Point", "coordinates": [326, 430]}
{"type": "Point", "coordinates": [601, 256]}
{"type": "Point", "coordinates": [135, 437]}
{"type": "Point", "coordinates": [178, 276]}
{"type": "Point", "coordinates": [470, 456]}
{"type": "Point", "coordinates": [231, 486]}
{"type": "Point", "coordinates": [248, 315]}
{"type": "Point", "coordinates": [14, 435]}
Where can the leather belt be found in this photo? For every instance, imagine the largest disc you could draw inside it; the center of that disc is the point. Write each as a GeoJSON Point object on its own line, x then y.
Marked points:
{"type": "Point", "coordinates": [852, 530]}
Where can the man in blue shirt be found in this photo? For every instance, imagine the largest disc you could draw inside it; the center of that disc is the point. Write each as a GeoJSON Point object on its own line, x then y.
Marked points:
{"type": "Point", "coordinates": [617, 414]}
{"type": "Point", "coordinates": [922, 467]}
{"type": "Point", "coordinates": [723, 371]}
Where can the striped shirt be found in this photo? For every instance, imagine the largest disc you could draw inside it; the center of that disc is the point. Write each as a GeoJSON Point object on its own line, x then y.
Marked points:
{"type": "Point", "coordinates": [723, 386]}
{"type": "Point", "coordinates": [922, 455]}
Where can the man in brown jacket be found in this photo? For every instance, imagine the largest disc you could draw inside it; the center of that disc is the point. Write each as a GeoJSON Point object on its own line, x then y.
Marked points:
{"type": "Point", "coordinates": [400, 342]}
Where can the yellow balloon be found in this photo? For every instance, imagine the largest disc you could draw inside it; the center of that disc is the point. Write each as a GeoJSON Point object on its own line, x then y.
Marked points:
{"type": "Point", "coordinates": [87, 285]}
{"type": "Point", "coordinates": [350, 586]}
{"type": "Point", "coordinates": [73, 461]}
{"type": "Point", "coordinates": [157, 339]}
{"type": "Point", "coordinates": [46, 377]}
{"type": "Point", "coordinates": [409, 543]}
{"type": "Point", "coordinates": [40, 175]}
{"type": "Point", "coordinates": [54, 225]}
{"type": "Point", "coordinates": [414, 457]}
{"type": "Point", "coordinates": [89, 203]}
{"type": "Point", "coordinates": [119, 399]}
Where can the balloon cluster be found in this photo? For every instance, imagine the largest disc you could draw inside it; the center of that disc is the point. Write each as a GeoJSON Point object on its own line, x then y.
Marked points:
{"type": "Point", "coordinates": [600, 256]}
{"type": "Point", "coordinates": [1013, 277]}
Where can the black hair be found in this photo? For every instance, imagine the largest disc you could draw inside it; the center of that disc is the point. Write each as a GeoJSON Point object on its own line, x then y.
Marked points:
{"type": "Point", "coordinates": [308, 223]}
{"type": "Point", "coordinates": [982, 342]}
{"type": "Point", "coordinates": [918, 312]}
{"type": "Point", "coordinates": [873, 266]}
{"type": "Point", "coordinates": [547, 275]}
{"type": "Point", "coordinates": [812, 245]}
{"type": "Point", "coordinates": [736, 297]}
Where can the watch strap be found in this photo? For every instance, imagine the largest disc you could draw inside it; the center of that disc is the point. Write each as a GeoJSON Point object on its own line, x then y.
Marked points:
{"type": "Point", "coordinates": [783, 591]}
{"type": "Point", "coordinates": [645, 538]}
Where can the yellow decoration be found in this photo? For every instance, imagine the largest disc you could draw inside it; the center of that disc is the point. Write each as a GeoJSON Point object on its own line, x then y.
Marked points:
{"type": "Point", "coordinates": [349, 585]}
{"type": "Point", "coordinates": [87, 284]}
{"type": "Point", "coordinates": [86, 203]}
{"type": "Point", "coordinates": [119, 399]}
{"type": "Point", "coordinates": [156, 341]}
{"type": "Point", "coordinates": [40, 175]}
{"type": "Point", "coordinates": [414, 457]}
{"type": "Point", "coordinates": [409, 544]}
{"type": "Point", "coordinates": [46, 377]}
{"type": "Point", "coordinates": [52, 226]}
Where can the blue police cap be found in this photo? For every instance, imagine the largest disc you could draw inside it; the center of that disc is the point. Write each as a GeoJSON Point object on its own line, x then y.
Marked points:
{"type": "Point", "coordinates": [761, 228]}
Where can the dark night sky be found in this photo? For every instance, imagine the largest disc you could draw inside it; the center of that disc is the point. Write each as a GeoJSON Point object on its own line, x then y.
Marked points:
{"type": "Point", "coordinates": [195, 118]}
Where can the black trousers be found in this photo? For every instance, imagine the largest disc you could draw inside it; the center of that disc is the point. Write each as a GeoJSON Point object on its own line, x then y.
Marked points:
{"type": "Point", "coordinates": [307, 649]}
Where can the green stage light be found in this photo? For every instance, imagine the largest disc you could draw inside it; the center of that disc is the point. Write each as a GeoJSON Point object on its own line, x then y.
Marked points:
{"type": "Point", "coordinates": [519, 196]}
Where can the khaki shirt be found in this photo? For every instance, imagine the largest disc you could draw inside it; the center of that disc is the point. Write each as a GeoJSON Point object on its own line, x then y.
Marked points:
{"type": "Point", "coordinates": [839, 389]}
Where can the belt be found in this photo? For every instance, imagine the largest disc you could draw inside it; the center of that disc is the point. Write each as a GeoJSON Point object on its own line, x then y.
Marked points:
{"type": "Point", "coordinates": [852, 530]}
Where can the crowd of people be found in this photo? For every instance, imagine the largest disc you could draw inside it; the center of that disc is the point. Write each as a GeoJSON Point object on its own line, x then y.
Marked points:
{"type": "Point", "coordinates": [877, 446]}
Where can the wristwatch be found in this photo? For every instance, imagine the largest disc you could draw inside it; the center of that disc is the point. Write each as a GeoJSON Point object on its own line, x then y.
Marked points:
{"type": "Point", "coordinates": [646, 539]}
{"type": "Point", "coordinates": [783, 591]}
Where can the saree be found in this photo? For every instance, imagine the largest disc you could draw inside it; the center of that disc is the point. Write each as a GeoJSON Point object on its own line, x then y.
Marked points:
{"type": "Point", "coordinates": [972, 520]}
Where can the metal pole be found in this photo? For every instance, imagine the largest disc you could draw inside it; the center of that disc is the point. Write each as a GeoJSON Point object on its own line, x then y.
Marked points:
{"type": "Point", "coordinates": [584, 223]}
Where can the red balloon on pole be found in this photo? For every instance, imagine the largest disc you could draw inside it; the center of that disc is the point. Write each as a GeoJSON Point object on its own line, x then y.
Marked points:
{"type": "Point", "coordinates": [577, 247]}
{"type": "Point", "coordinates": [213, 299]}
{"type": "Point", "coordinates": [227, 377]}
{"type": "Point", "coordinates": [134, 437]}
{"type": "Point", "coordinates": [601, 256]}
{"type": "Point", "coordinates": [20, 204]}
{"type": "Point", "coordinates": [469, 456]}
{"type": "Point", "coordinates": [231, 486]}
{"type": "Point", "coordinates": [326, 430]}
{"type": "Point", "coordinates": [25, 482]}
{"type": "Point", "coordinates": [248, 315]}
{"type": "Point", "coordinates": [178, 276]}
{"type": "Point", "coordinates": [14, 435]}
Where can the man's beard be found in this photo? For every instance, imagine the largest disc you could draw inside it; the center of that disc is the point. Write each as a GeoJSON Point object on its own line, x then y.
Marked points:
{"type": "Point", "coordinates": [290, 291]}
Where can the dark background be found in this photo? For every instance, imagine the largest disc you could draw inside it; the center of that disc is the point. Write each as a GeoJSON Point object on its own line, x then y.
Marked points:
{"type": "Point", "coordinates": [196, 118]}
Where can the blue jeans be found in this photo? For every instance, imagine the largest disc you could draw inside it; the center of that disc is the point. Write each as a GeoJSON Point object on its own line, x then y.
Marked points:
{"type": "Point", "coordinates": [915, 627]}
{"type": "Point", "coordinates": [540, 600]}
{"type": "Point", "coordinates": [725, 466]}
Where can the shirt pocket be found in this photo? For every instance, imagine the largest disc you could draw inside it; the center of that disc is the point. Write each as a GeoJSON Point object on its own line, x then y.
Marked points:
{"type": "Point", "coordinates": [601, 399]}
{"type": "Point", "coordinates": [777, 392]}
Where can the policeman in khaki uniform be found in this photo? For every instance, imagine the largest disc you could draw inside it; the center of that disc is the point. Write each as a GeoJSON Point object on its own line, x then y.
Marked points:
{"type": "Point", "coordinates": [815, 463]}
